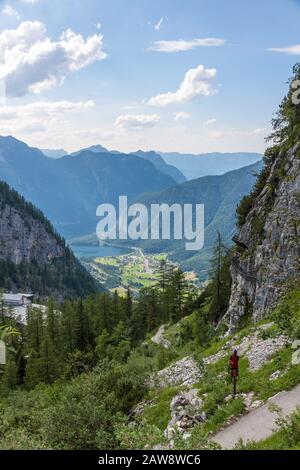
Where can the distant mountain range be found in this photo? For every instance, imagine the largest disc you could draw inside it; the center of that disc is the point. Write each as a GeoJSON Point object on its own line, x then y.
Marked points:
{"type": "Point", "coordinates": [152, 157]}
{"type": "Point", "coordinates": [204, 164]}
{"type": "Point", "coordinates": [93, 148]}
{"type": "Point", "coordinates": [183, 166]}
{"type": "Point", "coordinates": [54, 153]}
{"type": "Point", "coordinates": [220, 195]}
{"type": "Point", "coordinates": [161, 165]}
{"type": "Point", "coordinates": [69, 189]}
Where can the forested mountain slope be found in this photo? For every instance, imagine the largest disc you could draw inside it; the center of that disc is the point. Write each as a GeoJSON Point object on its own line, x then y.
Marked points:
{"type": "Point", "coordinates": [33, 257]}
{"type": "Point", "coordinates": [220, 196]}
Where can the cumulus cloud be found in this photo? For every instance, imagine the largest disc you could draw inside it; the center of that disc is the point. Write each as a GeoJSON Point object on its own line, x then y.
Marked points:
{"type": "Point", "coordinates": [184, 45]}
{"type": "Point", "coordinates": [181, 116]}
{"type": "Point", "coordinates": [291, 50]}
{"type": "Point", "coordinates": [30, 62]}
{"type": "Point", "coordinates": [136, 122]}
{"type": "Point", "coordinates": [159, 24]}
{"type": "Point", "coordinates": [44, 117]}
{"type": "Point", "coordinates": [196, 82]}
{"type": "Point", "coordinates": [9, 11]}
{"type": "Point", "coordinates": [210, 121]}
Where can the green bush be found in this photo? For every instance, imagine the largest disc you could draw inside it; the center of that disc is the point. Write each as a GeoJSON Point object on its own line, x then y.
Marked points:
{"type": "Point", "coordinates": [82, 414]}
{"type": "Point", "coordinates": [159, 413]}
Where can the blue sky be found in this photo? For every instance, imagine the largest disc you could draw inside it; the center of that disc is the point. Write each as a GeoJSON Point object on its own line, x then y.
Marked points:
{"type": "Point", "coordinates": [117, 77]}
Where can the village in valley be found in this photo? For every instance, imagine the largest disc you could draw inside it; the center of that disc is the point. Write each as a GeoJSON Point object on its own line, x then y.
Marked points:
{"type": "Point", "coordinates": [133, 270]}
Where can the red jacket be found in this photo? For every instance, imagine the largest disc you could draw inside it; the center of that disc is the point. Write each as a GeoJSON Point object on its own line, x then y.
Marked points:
{"type": "Point", "coordinates": [234, 361]}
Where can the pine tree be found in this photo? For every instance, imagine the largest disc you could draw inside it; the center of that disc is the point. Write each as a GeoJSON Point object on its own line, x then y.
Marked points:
{"type": "Point", "coordinates": [221, 282]}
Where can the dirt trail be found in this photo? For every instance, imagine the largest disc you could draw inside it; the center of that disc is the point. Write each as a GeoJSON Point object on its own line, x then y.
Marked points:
{"type": "Point", "coordinates": [260, 423]}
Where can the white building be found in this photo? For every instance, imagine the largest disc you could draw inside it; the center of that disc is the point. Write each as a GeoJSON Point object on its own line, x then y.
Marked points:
{"type": "Point", "coordinates": [18, 304]}
{"type": "Point", "coordinates": [17, 300]}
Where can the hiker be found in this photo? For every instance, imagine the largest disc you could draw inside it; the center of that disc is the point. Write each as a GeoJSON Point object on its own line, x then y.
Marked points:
{"type": "Point", "coordinates": [234, 363]}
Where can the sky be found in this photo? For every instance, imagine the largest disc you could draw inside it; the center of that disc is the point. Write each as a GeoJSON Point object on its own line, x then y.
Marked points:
{"type": "Point", "coordinates": [170, 75]}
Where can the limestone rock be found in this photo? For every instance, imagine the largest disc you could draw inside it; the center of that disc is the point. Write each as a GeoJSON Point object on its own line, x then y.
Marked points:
{"type": "Point", "coordinates": [273, 256]}
{"type": "Point", "coordinates": [184, 372]}
{"type": "Point", "coordinates": [159, 338]}
{"type": "Point", "coordinates": [185, 413]}
{"type": "Point", "coordinates": [257, 350]}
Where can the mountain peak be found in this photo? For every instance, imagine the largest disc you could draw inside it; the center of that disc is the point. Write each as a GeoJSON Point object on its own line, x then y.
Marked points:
{"type": "Point", "coordinates": [93, 148]}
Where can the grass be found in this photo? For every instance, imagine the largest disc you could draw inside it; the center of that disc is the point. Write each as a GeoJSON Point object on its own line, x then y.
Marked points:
{"type": "Point", "coordinates": [173, 332]}
{"type": "Point", "coordinates": [215, 386]}
{"type": "Point", "coordinates": [128, 275]}
{"type": "Point", "coordinates": [133, 274]}
{"type": "Point", "coordinates": [108, 261]}
{"type": "Point", "coordinates": [159, 414]}
{"type": "Point", "coordinates": [160, 256]}
{"type": "Point", "coordinates": [223, 414]}
{"type": "Point", "coordinates": [258, 381]}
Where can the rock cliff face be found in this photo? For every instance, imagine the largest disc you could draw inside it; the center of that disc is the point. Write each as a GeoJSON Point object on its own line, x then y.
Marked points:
{"type": "Point", "coordinates": [25, 238]}
{"type": "Point", "coordinates": [33, 257]}
{"type": "Point", "coordinates": [271, 233]}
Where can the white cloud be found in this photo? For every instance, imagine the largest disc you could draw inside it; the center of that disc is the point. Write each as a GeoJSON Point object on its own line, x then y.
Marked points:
{"type": "Point", "coordinates": [43, 109]}
{"type": "Point", "coordinates": [94, 135]}
{"type": "Point", "coordinates": [137, 122]}
{"type": "Point", "coordinates": [43, 118]}
{"type": "Point", "coordinates": [30, 62]}
{"type": "Point", "coordinates": [9, 11]}
{"type": "Point", "coordinates": [33, 2]}
{"type": "Point", "coordinates": [181, 116]}
{"type": "Point", "coordinates": [159, 24]}
{"type": "Point", "coordinates": [32, 127]}
{"type": "Point", "coordinates": [196, 82]}
{"type": "Point", "coordinates": [210, 121]}
{"type": "Point", "coordinates": [246, 133]}
{"type": "Point", "coordinates": [182, 45]}
{"type": "Point", "coordinates": [292, 50]}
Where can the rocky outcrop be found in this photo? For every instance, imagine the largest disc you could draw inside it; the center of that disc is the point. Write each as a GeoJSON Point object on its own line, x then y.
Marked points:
{"type": "Point", "coordinates": [33, 257]}
{"type": "Point", "coordinates": [25, 238]}
{"type": "Point", "coordinates": [183, 372]}
{"type": "Point", "coordinates": [271, 234]}
{"type": "Point", "coordinates": [159, 338]}
{"type": "Point", "coordinates": [256, 349]}
{"type": "Point", "coordinates": [185, 413]}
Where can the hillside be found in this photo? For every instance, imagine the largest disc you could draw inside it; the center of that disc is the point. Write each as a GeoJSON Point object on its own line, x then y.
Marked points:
{"type": "Point", "coordinates": [152, 157]}
{"type": "Point", "coordinates": [161, 165]}
{"type": "Point", "coordinates": [271, 231]}
{"type": "Point", "coordinates": [33, 257]}
{"type": "Point", "coordinates": [153, 372]}
{"type": "Point", "coordinates": [69, 189]}
{"type": "Point", "coordinates": [203, 164]}
{"type": "Point", "coordinates": [220, 195]}
{"type": "Point", "coordinates": [190, 404]}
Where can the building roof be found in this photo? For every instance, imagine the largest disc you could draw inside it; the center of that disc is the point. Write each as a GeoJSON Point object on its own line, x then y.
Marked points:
{"type": "Point", "coordinates": [16, 297]}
